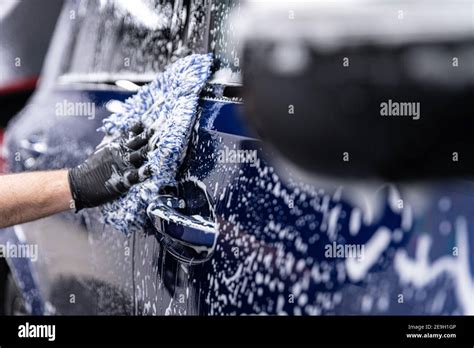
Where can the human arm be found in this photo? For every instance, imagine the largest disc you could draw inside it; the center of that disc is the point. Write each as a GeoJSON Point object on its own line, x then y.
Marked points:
{"type": "Point", "coordinates": [107, 174]}
{"type": "Point", "coordinates": [29, 196]}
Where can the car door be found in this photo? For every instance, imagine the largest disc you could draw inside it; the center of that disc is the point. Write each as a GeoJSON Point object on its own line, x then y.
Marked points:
{"type": "Point", "coordinates": [286, 243]}
{"type": "Point", "coordinates": [249, 234]}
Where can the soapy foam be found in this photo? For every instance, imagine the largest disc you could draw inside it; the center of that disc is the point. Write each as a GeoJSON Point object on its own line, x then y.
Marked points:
{"type": "Point", "coordinates": [420, 271]}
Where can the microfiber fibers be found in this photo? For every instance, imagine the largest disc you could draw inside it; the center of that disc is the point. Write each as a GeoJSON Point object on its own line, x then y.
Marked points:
{"type": "Point", "coordinates": [169, 106]}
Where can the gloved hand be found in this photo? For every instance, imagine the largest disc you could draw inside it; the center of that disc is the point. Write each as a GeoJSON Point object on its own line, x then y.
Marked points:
{"type": "Point", "coordinates": [111, 170]}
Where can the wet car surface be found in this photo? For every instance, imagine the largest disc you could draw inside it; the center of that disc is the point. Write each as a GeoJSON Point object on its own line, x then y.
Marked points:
{"type": "Point", "coordinates": [276, 249]}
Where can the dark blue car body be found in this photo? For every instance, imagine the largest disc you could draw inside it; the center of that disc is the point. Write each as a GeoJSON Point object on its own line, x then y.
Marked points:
{"type": "Point", "coordinates": [275, 226]}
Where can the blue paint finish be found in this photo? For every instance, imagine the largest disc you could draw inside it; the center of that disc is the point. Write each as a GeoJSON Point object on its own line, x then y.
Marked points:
{"type": "Point", "coordinates": [272, 232]}
{"type": "Point", "coordinates": [24, 273]}
{"type": "Point", "coordinates": [227, 117]}
{"type": "Point", "coordinates": [244, 210]}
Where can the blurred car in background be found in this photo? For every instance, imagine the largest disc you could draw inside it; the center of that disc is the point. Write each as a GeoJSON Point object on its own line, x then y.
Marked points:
{"type": "Point", "coordinates": [26, 28]}
{"type": "Point", "coordinates": [283, 237]}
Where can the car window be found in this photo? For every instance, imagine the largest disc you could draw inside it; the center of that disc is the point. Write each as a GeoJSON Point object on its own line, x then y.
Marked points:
{"type": "Point", "coordinates": [223, 41]}
{"type": "Point", "coordinates": [114, 39]}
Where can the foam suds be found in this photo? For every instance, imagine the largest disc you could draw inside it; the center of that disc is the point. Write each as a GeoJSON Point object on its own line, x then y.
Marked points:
{"type": "Point", "coordinates": [168, 105]}
{"type": "Point", "coordinates": [420, 272]}
{"type": "Point", "coordinates": [357, 268]}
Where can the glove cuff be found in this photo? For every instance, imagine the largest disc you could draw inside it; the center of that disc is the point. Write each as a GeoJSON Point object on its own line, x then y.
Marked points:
{"type": "Point", "coordinates": [75, 193]}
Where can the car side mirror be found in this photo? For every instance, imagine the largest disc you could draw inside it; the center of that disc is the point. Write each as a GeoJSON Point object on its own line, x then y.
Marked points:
{"type": "Point", "coordinates": [363, 88]}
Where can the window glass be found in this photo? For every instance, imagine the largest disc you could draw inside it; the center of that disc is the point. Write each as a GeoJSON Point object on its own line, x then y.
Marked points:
{"type": "Point", "coordinates": [138, 38]}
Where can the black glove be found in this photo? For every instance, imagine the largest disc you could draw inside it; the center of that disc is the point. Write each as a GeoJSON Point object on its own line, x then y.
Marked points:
{"type": "Point", "coordinates": [111, 170]}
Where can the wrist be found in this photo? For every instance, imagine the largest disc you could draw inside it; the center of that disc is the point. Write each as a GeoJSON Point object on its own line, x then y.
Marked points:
{"type": "Point", "coordinates": [57, 195]}
{"type": "Point", "coordinates": [73, 191]}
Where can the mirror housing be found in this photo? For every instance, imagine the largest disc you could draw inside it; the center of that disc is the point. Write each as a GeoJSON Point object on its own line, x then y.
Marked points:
{"type": "Point", "coordinates": [363, 89]}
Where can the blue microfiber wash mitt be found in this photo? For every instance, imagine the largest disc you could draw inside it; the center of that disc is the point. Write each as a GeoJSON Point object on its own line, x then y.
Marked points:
{"type": "Point", "coordinates": [168, 105]}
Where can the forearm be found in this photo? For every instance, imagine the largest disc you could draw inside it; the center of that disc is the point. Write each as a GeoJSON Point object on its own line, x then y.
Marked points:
{"type": "Point", "coordinates": [29, 196]}
{"type": "Point", "coordinates": [104, 176]}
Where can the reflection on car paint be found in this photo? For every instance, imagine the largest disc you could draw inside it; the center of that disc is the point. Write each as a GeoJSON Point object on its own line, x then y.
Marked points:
{"type": "Point", "coordinates": [274, 227]}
